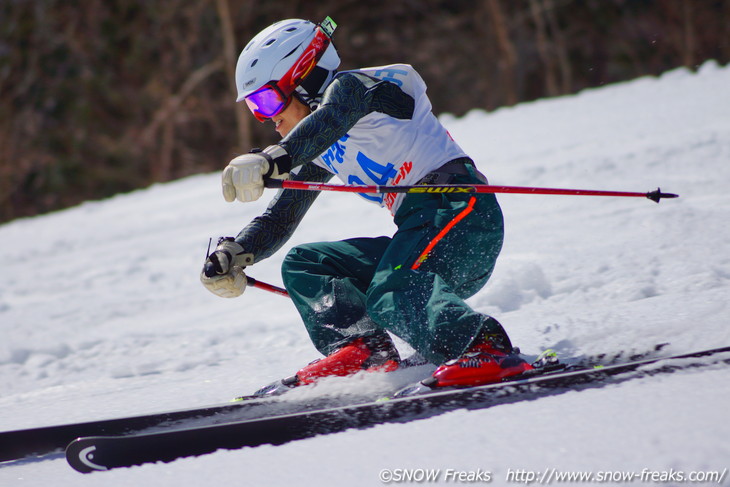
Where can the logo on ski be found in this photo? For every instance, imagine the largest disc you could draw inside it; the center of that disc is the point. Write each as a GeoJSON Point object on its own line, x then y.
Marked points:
{"type": "Point", "coordinates": [86, 455]}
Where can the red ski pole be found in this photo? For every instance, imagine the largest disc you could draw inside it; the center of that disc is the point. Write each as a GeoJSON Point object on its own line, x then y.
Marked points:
{"type": "Point", "coordinates": [266, 287]}
{"type": "Point", "coordinates": [655, 196]}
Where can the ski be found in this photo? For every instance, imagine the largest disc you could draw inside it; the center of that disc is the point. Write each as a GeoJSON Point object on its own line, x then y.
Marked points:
{"type": "Point", "coordinates": [98, 453]}
{"type": "Point", "coordinates": [48, 439]}
{"type": "Point", "coordinates": [44, 440]}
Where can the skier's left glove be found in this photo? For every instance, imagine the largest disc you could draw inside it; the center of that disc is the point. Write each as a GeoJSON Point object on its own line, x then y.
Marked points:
{"type": "Point", "coordinates": [244, 177]}
{"type": "Point", "coordinates": [223, 273]}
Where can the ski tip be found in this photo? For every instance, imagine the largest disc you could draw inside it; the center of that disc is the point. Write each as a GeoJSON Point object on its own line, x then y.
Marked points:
{"type": "Point", "coordinates": [80, 455]}
{"type": "Point", "coordinates": [657, 195]}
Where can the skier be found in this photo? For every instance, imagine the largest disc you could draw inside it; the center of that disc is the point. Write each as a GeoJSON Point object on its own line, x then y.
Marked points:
{"type": "Point", "coordinates": [368, 126]}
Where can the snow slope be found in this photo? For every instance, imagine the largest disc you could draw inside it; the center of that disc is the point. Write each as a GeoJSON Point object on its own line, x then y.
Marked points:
{"type": "Point", "coordinates": [102, 314]}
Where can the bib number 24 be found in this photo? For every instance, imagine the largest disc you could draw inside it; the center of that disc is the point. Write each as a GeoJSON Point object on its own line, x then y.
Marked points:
{"type": "Point", "coordinates": [378, 173]}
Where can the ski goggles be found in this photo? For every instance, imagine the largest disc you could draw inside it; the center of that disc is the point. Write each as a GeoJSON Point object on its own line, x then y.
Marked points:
{"type": "Point", "coordinates": [271, 99]}
{"type": "Point", "coordinates": [268, 101]}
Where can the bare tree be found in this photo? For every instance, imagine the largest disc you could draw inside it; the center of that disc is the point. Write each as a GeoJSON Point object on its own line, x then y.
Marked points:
{"type": "Point", "coordinates": [507, 61]}
{"type": "Point", "coordinates": [243, 121]}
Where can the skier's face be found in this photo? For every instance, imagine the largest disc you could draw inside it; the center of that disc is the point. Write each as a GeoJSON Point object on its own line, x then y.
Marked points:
{"type": "Point", "coordinates": [290, 117]}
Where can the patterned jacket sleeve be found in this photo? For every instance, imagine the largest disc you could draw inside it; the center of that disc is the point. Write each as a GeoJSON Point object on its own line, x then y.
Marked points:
{"type": "Point", "coordinates": [268, 232]}
{"type": "Point", "coordinates": [350, 97]}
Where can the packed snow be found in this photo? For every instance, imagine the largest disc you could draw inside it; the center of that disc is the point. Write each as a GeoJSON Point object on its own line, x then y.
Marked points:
{"type": "Point", "coordinates": [102, 313]}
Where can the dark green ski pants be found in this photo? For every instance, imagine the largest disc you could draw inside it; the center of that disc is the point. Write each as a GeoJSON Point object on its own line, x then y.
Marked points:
{"type": "Point", "coordinates": [413, 284]}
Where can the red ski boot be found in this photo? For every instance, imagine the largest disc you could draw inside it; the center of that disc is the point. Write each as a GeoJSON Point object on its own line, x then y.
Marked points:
{"type": "Point", "coordinates": [372, 353]}
{"type": "Point", "coordinates": [375, 353]}
{"type": "Point", "coordinates": [486, 361]}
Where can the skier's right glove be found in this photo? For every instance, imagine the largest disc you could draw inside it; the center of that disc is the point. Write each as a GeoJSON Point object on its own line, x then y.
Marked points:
{"type": "Point", "coordinates": [245, 176]}
{"type": "Point", "coordinates": [223, 273]}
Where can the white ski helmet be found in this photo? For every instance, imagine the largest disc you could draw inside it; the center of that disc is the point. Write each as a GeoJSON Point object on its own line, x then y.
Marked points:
{"type": "Point", "coordinates": [274, 53]}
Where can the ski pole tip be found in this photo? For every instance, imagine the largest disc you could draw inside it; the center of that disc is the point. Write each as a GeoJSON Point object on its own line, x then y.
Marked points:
{"type": "Point", "coordinates": [657, 195]}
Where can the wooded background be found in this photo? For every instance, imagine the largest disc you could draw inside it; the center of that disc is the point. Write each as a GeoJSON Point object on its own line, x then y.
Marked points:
{"type": "Point", "coordinates": [104, 96]}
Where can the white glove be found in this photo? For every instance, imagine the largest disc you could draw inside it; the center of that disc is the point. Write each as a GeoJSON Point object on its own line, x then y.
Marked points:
{"type": "Point", "coordinates": [223, 273]}
{"type": "Point", "coordinates": [230, 285]}
{"type": "Point", "coordinates": [244, 177]}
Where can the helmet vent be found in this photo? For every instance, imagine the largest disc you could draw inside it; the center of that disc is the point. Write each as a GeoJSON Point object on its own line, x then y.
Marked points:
{"type": "Point", "coordinates": [291, 52]}
{"type": "Point", "coordinates": [291, 29]}
{"type": "Point", "coordinates": [254, 63]}
{"type": "Point", "coordinates": [269, 42]}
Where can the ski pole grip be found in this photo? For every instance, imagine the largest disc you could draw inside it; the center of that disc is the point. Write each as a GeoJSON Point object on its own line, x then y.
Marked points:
{"type": "Point", "coordinates": [209, 270]}
{"type": "Point", "coordinates": [273, 183]}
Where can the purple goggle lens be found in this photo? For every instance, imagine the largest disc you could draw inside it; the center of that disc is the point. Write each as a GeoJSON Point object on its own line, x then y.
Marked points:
{"type": "Point", "coordinates": [266, 102]}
